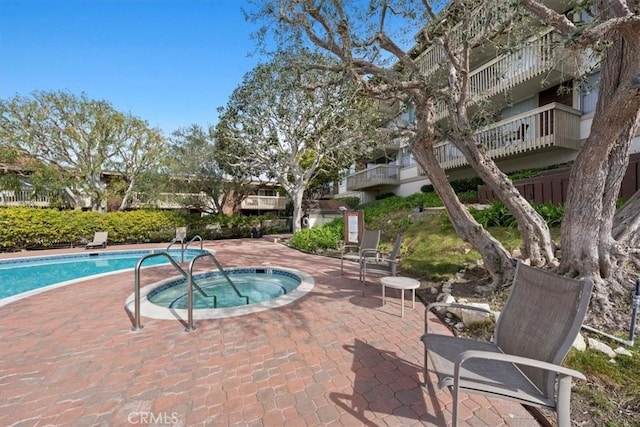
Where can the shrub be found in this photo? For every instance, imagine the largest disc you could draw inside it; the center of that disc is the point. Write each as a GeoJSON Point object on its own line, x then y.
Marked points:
{"type": "Point", "coordinates": [312, 239]}
{"type": "Point", "coordinates": [497, 215]}
{"type": "Point", "coordinates": [384, 196]}
{"type": "Point", "coordinates": [458, 185]}
{"type": "Point", "coordinates": [22, 228]}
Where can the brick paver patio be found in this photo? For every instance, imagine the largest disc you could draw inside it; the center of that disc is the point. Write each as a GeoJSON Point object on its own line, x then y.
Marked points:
{"type": "Point", "coordinates": [334, 357]}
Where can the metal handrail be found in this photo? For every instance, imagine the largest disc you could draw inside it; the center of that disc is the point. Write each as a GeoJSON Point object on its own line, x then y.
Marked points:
{"type": "Point", "coordinates": [196, 237]}
{"type": "Point", "coordinates": [190, 326]}
{"type": "Point", "coordinates": [176, 240]}
{"type": "Point", "coordinates": [136, 282]}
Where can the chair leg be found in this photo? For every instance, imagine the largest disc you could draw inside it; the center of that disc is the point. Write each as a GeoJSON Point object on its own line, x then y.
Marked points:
{"type": "Point", "coordinates": [425, 369]}
{"type": "Point", "coordinates": [563, 403]}
{"type": "Point", "coordinates": [454, 412]}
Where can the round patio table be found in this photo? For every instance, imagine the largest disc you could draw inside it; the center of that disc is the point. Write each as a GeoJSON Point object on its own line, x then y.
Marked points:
{"type": "Point", "coordinates": [402, 283]}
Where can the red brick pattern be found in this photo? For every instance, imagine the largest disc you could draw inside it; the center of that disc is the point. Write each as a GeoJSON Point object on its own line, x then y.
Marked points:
{"type": "Point", "coordinates": [334, 357]}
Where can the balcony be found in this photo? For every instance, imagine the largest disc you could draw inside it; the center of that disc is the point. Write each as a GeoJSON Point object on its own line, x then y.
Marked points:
{"type": "Point", "coordinates": [553, 125]}
{"type": "Point", "coordinates": [166, 200]}
{"type": "Point", "coordinates": [538, 56]}
{"type": "Point", "coordinates": [377, 175]}
{"type": "Point", "coordinates": [264, 203]}
{"type": "Point", "coordinates": [432, 59]}
{"type": "Point", "coordinates": [26, 198]}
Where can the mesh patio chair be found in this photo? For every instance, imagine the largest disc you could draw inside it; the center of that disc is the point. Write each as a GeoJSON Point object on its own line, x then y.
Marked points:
{"type": "Point", "coordinates": [533, 334]}
{"type": "Point", "coordinates": [368, 248]}
{"type": "Point", "coordinates": [383, 263]}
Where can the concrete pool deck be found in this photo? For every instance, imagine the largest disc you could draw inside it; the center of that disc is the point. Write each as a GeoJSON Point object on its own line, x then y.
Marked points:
{"type": "Point", "coordinates": [333, 357]}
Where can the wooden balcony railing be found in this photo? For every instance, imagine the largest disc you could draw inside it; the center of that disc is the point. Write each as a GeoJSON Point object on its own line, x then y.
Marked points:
{"type": "Point", "coordinates": [374, 176]}
{"type": "Point", "coordinates": [553, 125]}
{"type": "Point", "coordinates": [27, 198]}
{"type": "Point", "coordinates": [275, 203]}
{"type": "Point", "coordinates": [431, 59]}
{"type": "Point", "coordinates": [165, 200]}
{"type": "Point", "coordinates": [537, 56]}
{"type": "Point", "coordinates": [507, 71]}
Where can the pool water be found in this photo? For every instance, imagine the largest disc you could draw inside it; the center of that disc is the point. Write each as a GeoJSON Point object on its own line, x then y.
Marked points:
{"type": "Point", "coordinates": [257, 284]}
{"type": "Point", "coordinates": [21, 275]}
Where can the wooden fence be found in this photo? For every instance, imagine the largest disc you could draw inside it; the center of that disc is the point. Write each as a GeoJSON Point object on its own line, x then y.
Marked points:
{"type": "Point", "coordinates": [552, 185]}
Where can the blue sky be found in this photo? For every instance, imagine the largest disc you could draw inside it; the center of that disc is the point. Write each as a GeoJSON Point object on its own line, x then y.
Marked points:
{"type": "Point", "coordinates": [170, 62]}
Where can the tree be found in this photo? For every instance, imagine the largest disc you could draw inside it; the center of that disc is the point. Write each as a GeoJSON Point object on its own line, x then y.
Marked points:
{"type": "Point", "coordinates": [139, 150]}
{"type": "Point", "coordinates": [77, 139]}
{"type": "Point", "coordinates": [596, 242]}
{"type": "Point", "coordinates": [363, 43]}
{"type": "Point", "coordinates": [588, 246]}
{"type": "Point", "coordinates": [195, 167]}
{"type": "Point", "coordinates": [291, 124]}
{"type": "Point", "coordinates": [358, 37]}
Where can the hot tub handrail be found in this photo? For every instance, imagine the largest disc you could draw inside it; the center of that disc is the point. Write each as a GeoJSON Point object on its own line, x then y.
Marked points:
{"type": "Point", "coordinates": [190, 326]}
{"type": "Point", "coordinates": [195, 238]}
{"type": "Point", "coordinates": [136, 281]}
{"type": "Point", "coordinates": [182, 247]}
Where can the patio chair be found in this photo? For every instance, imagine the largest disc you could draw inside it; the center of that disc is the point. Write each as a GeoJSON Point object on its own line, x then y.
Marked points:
{"type": "Point", "coordinates": [383, 263]}
{"type": "Point", "coordinates": [99, 240]}
{"type": "Point", "coordinates": [533, 334]}
{"type": "Point", "coordinates": [368, 248]}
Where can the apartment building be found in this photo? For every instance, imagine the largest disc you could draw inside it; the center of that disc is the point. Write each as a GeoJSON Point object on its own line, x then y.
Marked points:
{"type": "Point", "coordinates": [266, 197]}
{"type": "Point", "coordinates": [537, 122]}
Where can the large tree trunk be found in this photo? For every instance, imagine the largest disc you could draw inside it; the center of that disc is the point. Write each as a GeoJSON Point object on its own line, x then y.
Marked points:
{"type": "Point", "coordinates": [296, 199]}
{"type": "Point", "coordinates": [588, 246]}
{"type": "Point", "coordinates": [496, 258]}
{"type": "Point", "coordinates": [626, 223]}
{"type": "Point", "coordinates": [124, 204]}
{"type": "Point", "coordinates": [537, 247]}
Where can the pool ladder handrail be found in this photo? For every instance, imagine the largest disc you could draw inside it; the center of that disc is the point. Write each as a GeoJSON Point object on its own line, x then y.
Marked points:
{"type": "Point", "coordinates": [190, 282]}
{"type": "Point", "coordinates": [195, 238]}
{"type": "Point", "coordinates": [136, 285]}
{"type": "Point", "coordinates": [176, 240]}
{"type": "Point", "coordinates": [183, 246]}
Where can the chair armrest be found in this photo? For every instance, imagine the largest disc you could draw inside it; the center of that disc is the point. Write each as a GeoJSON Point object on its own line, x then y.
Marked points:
{"type": "Point", "coordinates": [450, 304]}
{"type": "Point", "coordinates": [509, 358]}
{"type": "Point", "coordinates": [369, 253]}
{"type": "Point", "coordinates": [347, 246]}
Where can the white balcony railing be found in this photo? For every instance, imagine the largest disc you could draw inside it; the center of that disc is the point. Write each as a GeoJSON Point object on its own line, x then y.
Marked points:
{"type": "Point", "coordinates": [374, 176]}
{"type": "Point", "coordinates": [553, 125]}
{"type": "Point", "coordinates": [275, 203]}
{"type": "Point", "coordinates": [539, 55]}
{"type": "Point", "coordinates": [167, 200]}
{"type": "Point", "coordinates": [26, 198]}
{"type": "Point", "coordinates": [431, 59]}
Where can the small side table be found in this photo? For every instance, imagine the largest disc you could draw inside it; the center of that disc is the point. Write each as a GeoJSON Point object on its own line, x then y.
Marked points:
{"type": "Point", "coordinates": [401, 283]}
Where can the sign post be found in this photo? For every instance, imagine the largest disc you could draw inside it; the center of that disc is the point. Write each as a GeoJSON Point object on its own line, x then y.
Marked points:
{"type": "Point", "coordinates": [353, 227]}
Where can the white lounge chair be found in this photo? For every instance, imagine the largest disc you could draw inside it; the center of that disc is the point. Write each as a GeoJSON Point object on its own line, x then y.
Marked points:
{"type": "Point", "coordinates": [99, 240]}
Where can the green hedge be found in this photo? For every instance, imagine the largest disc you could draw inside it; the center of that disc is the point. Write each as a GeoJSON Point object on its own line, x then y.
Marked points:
{"type": "Point", "coordinates": [31, 228]}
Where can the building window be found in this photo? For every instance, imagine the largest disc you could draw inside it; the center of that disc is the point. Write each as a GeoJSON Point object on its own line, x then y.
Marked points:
{"type": "Point", "coordinates": [589, 90]}
{"type": "Point", "coordinates": [269, 193]}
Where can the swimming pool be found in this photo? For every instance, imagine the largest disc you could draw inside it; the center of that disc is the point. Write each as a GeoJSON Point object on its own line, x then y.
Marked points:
{"type": "Point", "coordinates": [266, 288]}
{"type": "Point", "coordinates": [20, 277]}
